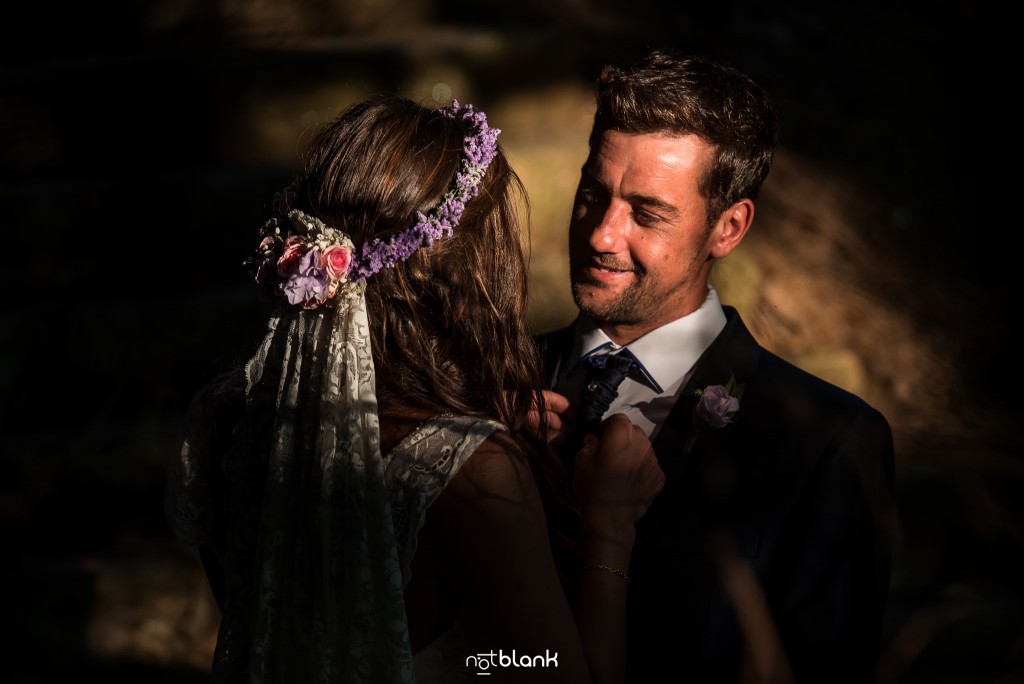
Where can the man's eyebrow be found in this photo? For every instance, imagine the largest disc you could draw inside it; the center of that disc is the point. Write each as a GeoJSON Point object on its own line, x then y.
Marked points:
{"type": "Point", "coordinates": [655, 203]}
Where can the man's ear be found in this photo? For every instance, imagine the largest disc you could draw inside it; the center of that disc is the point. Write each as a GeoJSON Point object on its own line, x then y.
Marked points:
{"type": "Point", "coordinates": [731, 227]}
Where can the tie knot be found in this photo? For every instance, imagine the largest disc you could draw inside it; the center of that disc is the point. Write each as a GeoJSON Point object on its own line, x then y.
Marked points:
{"type": "Point", "coordinates": [605, 373]}
{"type": "Point", "coordinates": [613, 365]}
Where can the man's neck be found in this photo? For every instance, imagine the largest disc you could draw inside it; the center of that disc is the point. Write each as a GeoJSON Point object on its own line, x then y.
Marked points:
{"type": "Point", "coordinates": [623, 334]}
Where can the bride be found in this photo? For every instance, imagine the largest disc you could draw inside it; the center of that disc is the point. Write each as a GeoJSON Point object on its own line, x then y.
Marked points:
{"type": "Point", "coordinates": [372, 493]}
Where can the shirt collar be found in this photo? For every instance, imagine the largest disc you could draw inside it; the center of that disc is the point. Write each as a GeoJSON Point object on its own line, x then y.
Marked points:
{"type": "Point", "coordinates": [610, 347]}
{"type": "Point", "coordinates": [685, 339]}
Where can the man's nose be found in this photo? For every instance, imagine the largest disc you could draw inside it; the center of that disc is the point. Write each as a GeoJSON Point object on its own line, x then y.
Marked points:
{"type": "Point", "coordinates": [609, 233]}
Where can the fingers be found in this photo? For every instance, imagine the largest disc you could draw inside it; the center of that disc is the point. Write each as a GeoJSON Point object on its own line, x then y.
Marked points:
{"type": "Point", "coordinates": [558, 416]}
{"type": "Point", "coordinates": [557, 428]}
{"type": "Point", "coordinates": [626, 447]}
{"type": "Point", "coordinates": [617, 475]}
{"type": "Point", "coordinates": [553, 401]}
{"type": "Point", "coordinates": [619, 434]}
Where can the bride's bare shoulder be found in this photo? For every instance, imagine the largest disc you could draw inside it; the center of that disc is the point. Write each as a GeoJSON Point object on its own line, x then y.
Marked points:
{"type": "Point", "coordinates": [498, 474]}
{"type": "Point", "coordinates": [499, 467]}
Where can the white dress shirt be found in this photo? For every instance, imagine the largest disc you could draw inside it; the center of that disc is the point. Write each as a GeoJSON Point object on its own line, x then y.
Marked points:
{"type": "Point", "coordinates": [667, 353]}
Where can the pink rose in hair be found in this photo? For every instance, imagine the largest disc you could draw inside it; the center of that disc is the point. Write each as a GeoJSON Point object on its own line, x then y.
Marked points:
{"type": "Point", "coordinates": [716, 406]}
{"type": "Point", "coordinates": [335, 261]}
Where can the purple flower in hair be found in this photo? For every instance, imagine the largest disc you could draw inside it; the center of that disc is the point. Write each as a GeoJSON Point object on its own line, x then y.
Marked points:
{"type": "Point", "coordinates": [309, 282]}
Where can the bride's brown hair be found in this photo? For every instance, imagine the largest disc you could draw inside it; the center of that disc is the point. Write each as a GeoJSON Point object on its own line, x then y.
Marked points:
{"type": "Point", "coordinates": [447, 326]}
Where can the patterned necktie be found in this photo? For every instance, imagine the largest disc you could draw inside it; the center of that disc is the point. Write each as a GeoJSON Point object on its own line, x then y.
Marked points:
{"type": "Point", "coordinates": [605, 374]}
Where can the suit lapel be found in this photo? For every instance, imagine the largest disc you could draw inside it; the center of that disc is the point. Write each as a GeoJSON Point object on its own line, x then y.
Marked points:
{"type": "Point", "coordinates": [732, 354]}
{"type": "Point", "coordinates": [554, 348]}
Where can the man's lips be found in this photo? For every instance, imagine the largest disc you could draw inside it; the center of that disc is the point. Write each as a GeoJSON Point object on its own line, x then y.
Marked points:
{"type": "Point", "coordinates": [607, 274]}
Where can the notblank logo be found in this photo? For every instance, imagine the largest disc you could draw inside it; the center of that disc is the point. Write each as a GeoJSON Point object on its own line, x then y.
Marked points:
{"type": "Point", "coordinates": [485, 662]}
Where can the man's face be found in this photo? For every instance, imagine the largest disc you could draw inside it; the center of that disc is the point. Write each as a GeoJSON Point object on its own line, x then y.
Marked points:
{"type": "Point", "coordinates": [639, 243]}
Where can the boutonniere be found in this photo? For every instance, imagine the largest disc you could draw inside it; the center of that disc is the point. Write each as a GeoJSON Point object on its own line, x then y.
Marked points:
{"type": "Point", "coordinates": [716, 406]}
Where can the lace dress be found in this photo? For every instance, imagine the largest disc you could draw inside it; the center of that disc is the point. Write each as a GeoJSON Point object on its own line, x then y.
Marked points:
{"type": "Point", "coordinates": [276, 622]}
{"type": "Point", "coordinates": [416, 472]}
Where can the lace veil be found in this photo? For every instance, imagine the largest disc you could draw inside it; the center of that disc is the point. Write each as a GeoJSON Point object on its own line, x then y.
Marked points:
{"type": "Point", "coordinates": [315, 593]}
{"type": "Point", "coordinates": [280, 475]}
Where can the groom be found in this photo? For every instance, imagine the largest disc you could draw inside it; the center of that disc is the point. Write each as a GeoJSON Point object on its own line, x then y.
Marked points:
{"type": "Point", "coordinates": [766, 557]}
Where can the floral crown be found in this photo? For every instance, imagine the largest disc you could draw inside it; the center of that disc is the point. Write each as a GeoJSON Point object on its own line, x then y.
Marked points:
{"type": "Point", "coordinates": [307, 262]}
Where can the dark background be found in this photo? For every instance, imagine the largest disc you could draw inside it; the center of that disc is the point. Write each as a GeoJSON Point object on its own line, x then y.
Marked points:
{"type": "Point", "coordinates": [128, 181]}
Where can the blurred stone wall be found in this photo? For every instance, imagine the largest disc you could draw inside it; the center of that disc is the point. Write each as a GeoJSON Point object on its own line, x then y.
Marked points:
{"type": "Point", "coordinates": [142, 142]}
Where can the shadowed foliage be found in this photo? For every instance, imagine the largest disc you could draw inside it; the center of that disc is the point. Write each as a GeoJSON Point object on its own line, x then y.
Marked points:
{"type": "Point", "coordinates": [144, 141]}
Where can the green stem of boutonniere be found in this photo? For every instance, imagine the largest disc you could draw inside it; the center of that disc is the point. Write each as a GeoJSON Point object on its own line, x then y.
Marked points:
{"type": "Point", "coordinates": [691, 440]}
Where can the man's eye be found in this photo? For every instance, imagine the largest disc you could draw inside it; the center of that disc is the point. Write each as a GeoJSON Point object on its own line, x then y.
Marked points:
{"type": "Point", "coordinates": [644, 217]}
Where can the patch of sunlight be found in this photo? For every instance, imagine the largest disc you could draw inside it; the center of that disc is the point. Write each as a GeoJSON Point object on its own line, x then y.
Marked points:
{"type": "Point", "coordinates": [544, 134]}
{"type": "Point", "coordinates": [841, 367]}
{"type": "Point", "coordinates": [738, 279]}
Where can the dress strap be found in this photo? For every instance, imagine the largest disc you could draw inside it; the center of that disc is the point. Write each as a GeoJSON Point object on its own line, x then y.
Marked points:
{"type": "Point", "coordinates": [419, 468]}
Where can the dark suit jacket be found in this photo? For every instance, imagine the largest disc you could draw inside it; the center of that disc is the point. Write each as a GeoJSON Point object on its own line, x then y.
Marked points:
{"type": "Point", "coordinates": [773, 529]}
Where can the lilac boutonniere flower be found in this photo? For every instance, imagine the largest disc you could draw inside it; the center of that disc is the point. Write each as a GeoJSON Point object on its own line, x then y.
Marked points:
{"type": "Point", "coordinates": [715, 408]}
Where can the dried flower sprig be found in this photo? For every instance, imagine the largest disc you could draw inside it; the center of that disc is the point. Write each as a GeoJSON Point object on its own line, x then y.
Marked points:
{"type": "Point", "coordinates": [479, 147]}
